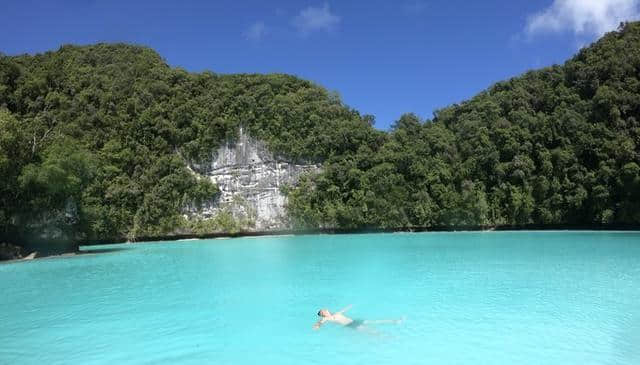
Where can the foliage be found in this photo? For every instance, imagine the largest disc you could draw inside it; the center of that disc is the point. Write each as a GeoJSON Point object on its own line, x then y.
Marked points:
{"type": "Point", "coordinates": [114, 128]}
{"type": "Point", "coordinates": [224, 221]}
{"type": "Point", "coordinates": [554, 146]}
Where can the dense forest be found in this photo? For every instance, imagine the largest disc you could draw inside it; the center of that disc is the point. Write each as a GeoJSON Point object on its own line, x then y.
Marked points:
{"type": "Point", "coordinates": [100, 136]}
{"type": "Point", "coordinates": [106, 132]}
{"type": "Point", "coordinates": [557, 146]}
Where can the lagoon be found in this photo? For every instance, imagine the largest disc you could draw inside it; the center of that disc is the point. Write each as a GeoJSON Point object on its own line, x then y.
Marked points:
{"type": "Point", "coordinates": [466, 298]}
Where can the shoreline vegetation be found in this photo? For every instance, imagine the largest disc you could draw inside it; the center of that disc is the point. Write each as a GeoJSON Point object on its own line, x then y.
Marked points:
{"type": "Point", "coordinates": [222, 235]}
{"type": "Point", "coordinates": [191, 237]}
{"type": "Point", "coordinates": [339, 231]}
{"type": "Point", "coordinates": [97, 144]}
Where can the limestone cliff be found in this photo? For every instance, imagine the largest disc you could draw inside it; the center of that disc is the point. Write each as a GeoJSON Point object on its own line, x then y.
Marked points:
{"type": "Point", "coordinates": [250, 179]}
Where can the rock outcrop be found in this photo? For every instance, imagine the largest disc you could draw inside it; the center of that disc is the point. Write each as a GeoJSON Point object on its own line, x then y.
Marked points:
{"type": "Point", "coordinates": [51, 232]}
{"type": "Point", "coordinates": [250, 179]}
{"type": "Point", "coordinates": [10, 252]}
{"type": "Point", "coordinates": [48, 232]}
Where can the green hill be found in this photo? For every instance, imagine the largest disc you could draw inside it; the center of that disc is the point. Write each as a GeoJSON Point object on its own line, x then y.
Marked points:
{"type": "Point", "coordinates": [105, 131]}
{"type": "Point", "coordinates": [98, 138]}
{"type": "Point", "coordinates": [557, 146]}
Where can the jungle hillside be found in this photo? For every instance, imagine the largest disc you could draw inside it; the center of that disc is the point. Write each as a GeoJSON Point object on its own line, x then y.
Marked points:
{"type": "Point", "coordinates": [99, 138]}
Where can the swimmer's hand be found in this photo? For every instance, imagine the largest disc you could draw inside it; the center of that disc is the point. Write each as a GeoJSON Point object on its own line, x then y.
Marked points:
{"type": "Point", "coordinates": [317, 324]}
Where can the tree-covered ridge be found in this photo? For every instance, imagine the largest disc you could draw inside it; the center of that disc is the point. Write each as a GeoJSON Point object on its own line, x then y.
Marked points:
{"type": "Point", "coordinates": [108, 130]}
{"type": "Point", "coordinates": [554, 146]}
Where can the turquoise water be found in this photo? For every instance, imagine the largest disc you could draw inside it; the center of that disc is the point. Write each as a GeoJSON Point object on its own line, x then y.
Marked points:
{"type": "Point", "coordinates": [468, 298]}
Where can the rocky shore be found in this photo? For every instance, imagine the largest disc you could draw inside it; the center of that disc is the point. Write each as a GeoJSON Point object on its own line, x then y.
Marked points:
{"type": "Point", "coordinates": [10, 252]}
{"type": "Point", "coordinates": [13, 252]}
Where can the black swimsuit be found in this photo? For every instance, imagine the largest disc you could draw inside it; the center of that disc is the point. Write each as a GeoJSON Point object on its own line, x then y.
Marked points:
{"type": "Point", "coordinates": [355, 323]}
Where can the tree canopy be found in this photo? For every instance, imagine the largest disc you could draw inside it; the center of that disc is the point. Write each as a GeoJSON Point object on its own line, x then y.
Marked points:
{"type": "Point", "coordinates": [551, 147]}
{"type": "Point", "coordinates": [112, 128]}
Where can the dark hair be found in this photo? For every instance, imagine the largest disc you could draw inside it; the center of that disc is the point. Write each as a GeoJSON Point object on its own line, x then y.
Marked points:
{"type": "Point", "coordinates": [320, 311]}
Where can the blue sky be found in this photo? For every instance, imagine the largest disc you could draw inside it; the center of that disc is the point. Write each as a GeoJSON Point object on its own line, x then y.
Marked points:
{"type": "Point", "coordinates": [383, 57]}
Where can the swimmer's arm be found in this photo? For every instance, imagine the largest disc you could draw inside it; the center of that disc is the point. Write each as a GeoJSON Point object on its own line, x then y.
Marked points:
{"type": "Point", "coordinates": [345, 308]}
{"type": "Point", "coordinates": [319, 323]}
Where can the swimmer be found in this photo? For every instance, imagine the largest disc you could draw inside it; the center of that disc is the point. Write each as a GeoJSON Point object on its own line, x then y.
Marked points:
{"type": "Point", "coordinates": [341, 319]}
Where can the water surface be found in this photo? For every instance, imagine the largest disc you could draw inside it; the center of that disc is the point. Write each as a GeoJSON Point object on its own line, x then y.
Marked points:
{"type": "Point", "coordinates": [468, 298]}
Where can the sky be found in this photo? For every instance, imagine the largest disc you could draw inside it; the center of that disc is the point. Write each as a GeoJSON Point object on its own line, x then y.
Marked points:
{"type": "Point", "coordinates": [383, 58]}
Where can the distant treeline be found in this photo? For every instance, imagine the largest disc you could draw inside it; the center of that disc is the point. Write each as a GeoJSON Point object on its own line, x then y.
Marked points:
{"type": "Point", "coordinates": [107, 132]}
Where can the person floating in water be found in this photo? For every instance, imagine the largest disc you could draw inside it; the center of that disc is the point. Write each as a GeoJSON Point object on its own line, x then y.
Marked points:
{"type": "Point", "coordinates": [341, 319]}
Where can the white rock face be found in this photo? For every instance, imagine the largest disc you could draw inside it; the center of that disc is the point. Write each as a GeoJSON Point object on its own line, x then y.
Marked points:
{"type": "Point", "coordinates": [249, 178]}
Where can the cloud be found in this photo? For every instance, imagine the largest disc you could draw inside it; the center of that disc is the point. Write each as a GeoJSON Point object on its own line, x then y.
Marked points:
{"type": "Point", "coordinates": [582, 17]}
{"type": "Point", "coordinates": [256, 31]}
{"type": "Point", "coordinates": [315, 19]}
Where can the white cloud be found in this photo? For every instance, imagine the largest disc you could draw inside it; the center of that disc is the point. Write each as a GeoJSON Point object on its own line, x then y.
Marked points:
{"type": "Point", "coordinates": [256, 31]}
{"type": "Point", "coordinates": [315, 19]}
{"type": "Point", "coordinates": [583, 17]}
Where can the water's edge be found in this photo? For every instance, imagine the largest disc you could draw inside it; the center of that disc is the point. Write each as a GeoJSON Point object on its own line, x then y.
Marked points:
{"type": "Point", "coordinates": [337, 231]}
{"type": "Point", "coordinates": [525, 227]}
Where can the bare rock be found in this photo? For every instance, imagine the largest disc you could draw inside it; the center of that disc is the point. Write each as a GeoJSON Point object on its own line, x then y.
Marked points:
{"type": "Point", "coordinates": [250, 179]}
{"type": "Point", "coordinates": [10, 252]}
{"type": "Point", "coordinates": [30, 256]}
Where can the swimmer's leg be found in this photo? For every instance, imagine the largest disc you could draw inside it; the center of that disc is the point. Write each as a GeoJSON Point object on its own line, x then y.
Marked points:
{"type": "Point", "coordinates": [383, 321]}
{"type": "Point", "coordinates": [366, 329]}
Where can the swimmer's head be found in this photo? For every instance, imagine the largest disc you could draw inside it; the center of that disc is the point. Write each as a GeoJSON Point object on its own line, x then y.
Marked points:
{"type": "Point", "coordinates": [324, 313]}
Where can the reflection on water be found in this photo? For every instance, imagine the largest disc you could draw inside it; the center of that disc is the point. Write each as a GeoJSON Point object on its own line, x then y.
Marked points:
{"type": "Point", "coordinates": [97, 249]}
